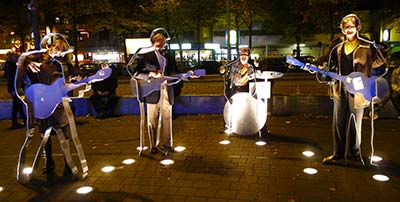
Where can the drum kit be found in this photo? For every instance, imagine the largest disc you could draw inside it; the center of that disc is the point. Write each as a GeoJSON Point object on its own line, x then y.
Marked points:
{"type": "Point", "coordinates": [245, 114]}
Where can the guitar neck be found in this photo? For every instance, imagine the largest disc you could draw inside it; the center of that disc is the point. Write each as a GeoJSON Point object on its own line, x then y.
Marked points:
{"type": "Point", "coordinates": [327, 73]}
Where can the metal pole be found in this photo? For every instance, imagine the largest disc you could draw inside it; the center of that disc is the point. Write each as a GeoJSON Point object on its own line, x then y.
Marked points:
{"type": "Point", "coordinates": [229, 29]}
{"type": "Point", "coordinates": [35, 24]}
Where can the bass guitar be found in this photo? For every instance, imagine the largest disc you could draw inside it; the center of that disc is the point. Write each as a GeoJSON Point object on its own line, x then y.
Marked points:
{"type": "Point", "coordinates": [371, 88]}
{"type": "Point", "coordinates": [142, 87]}
{"type": "Point", "coordinates": [45, 98]}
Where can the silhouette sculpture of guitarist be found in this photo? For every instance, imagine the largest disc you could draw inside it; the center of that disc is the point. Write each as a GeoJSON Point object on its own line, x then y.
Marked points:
{"type": "Point", "coordinates": [44, 95]}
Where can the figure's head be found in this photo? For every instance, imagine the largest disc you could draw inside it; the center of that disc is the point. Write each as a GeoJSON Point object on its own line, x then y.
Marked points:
{"type": "Point", "coordinates": [244, 54]}
{"type": "Point", "coordinates": [159, 37]}
{"type": "Point", "coordinates": [55, 43]}
{"type": "Point", "coordinates": [17, 43]}
{"type": "Point", "coordinates": [350, 25]}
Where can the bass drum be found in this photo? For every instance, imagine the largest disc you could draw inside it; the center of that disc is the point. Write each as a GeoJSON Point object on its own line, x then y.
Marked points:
{"type": "Point", "coordinates": [245, 114]}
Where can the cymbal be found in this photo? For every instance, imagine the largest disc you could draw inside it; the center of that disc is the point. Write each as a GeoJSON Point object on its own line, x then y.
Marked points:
{"type": "Point", "coordinates": [268, 75]}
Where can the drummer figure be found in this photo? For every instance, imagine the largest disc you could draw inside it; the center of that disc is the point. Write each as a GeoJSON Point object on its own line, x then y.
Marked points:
{"type": "Point", "coordinates": [236, 77]}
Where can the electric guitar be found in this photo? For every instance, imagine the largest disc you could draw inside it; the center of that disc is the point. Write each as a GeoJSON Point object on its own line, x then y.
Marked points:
{"type": "Point", "coordinates": [45, 98]}
{"type": "Point", "coordinates": [142, 87]}
{"type": "Point", "coordinates": [372, 88]}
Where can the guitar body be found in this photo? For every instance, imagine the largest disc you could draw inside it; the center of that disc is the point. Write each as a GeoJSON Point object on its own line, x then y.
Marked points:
{"type": "Point", "coordinates": [146, 86]}
{"type": "Point", "coordinates": [45, 98]}
{"type": "Point", "coordinates": [42, 95]}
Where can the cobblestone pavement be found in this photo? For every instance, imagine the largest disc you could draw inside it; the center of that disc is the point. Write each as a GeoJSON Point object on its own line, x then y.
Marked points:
{"type": "Point", "coordinates": [207, 170]}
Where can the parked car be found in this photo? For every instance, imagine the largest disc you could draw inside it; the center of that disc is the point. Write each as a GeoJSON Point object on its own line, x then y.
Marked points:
{"type": "Point", "coordinates": [276, 64]}
{"type": "Point", "coordinates": [89, 69]}
{"type": "Point", "coordinates": [184, 66]}
{"type": "Point", "coordinates": [211, 67]}
{"type": "Point", "coordinates": [119, 68]}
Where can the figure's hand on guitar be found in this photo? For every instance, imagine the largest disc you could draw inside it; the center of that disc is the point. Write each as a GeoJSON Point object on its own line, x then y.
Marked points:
{"type": "Point", "coordinates": [193, 74]}
{"type": "Point", "coordinates": [34, 66]}
{"type": "Point", "coordinates": [222, 69]}
{"type": "Point", "coordinates": [156, 74]}
{"type": "Point", "coordinates": [75, 78]}
{"type": "Point", "coordinates": [243, 81]}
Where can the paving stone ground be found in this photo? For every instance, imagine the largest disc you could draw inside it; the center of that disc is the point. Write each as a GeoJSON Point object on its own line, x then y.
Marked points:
{"type": "Point", "coordinates": [209, 171]}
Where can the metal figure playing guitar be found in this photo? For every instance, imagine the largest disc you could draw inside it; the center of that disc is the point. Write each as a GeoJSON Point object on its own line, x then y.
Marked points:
{"type": "Point", "coordinates": [371, 88]}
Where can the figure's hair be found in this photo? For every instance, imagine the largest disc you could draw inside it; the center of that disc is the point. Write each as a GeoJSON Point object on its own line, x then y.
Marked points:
{"type": "Point", "coordinates": [52, 38]}
{"type": "Point", "coordinates": [244, 51]}
{"type": "Point", "coordinates": [353, 18]}
{"type": "Point", "coordinates": [157, 32]}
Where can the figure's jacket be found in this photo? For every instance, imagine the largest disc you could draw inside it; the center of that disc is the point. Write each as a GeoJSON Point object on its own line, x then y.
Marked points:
{"type": "Point", "coordinates": [50, 70]}
{"type": "Point", "coordinates": [365, 58]}
{"type": "Point", "coordinates": [232, 75]}
{"type": "Point", "coordinates": [147, 63]}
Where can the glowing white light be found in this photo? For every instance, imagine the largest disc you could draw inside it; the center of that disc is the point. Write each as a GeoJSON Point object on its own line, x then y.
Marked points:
{"type": "Point", "coordinates": [108, 169]}
{"type": "Point", "coordinates": [261, 143]}
{"type": "Point", "coordinates": [174, 46]}
{"type": "Point", "coordinates": [186, 46]}
{"type": "Point", "coordinates": [214, 46]}
{"type": "Point", "coordinates": [27, 170]}
{"type": "Point", "coordinates": [308, 153]}
{"type": "Point", "coordinates": [144, 148]}
{"type": "Point", "coordinates": [128, 161]}
{"type": "Point", "coordinates": [180, 148]}
{"type": "Point", "coordinates": [84, 190]}
{"type": "Point", "coordinates": [386, 35]}
{"type": "Point", "coordinates": [225, 142]}
{"type": "Point", "coordinates": [1, 189]}
{"type": "Point", "coordinates": [310, 171]}
{"type": "Point", "coordinates": [4, 51]}
{"type": "Point", "coordinates": [376, 158]}
{"type": "Point", "coordinates": [379, 177]}
{"type": "Point", "coordinates": [167, 162]}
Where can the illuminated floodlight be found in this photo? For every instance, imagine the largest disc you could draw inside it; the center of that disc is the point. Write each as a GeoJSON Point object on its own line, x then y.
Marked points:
{"type": "Point", "coordinates": [1, 189]}
{"type": "Point", "coordinates": [379, 177]}
{"type": "Point", "coordinates": [376, 158]}
{"type": "Point", "coordinates": [167, 162]}
{"type": "Point", "coordinates": [128, 161]}
{"type": "Point", "coordinates": [308, 153]}
{"type": "Point", "coordinates": [142, 149]}
{"type": "Point", "coordinates": [261, 143]}
{"type": "Point", "coordinates": [84, 190]}
{"type": "Point", "coordinates": [186, 46]}
{"type": "Point", "coordinates": [174, 46]}
{"type": "Point", "coordinates": [180, 149]}
{"type": "Point", "coordinates": [225, 142]}
{"type": "Point", "coordinates": [108, 169]}
{"type": "Point", "coordinates": [310, 171]}
{"type": "Point", "coordinates": [27, 170]}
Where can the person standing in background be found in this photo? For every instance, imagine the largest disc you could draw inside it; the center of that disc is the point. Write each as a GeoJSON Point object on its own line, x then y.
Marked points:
{"type": "Point", "coordinates": [10, 71]}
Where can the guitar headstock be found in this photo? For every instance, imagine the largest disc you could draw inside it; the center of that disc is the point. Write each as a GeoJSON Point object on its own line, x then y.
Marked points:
{"type": "Point", "coordinates": [293, 61]}
{"type": "Point", "coordinates": [101, 74]}
{"type": "Point", "coordinates": [194, 74]}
